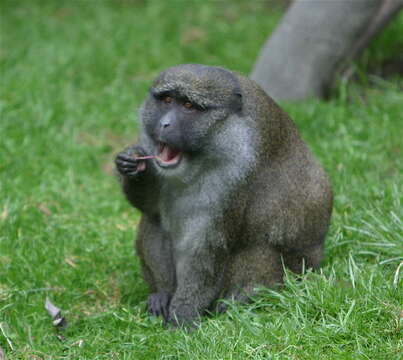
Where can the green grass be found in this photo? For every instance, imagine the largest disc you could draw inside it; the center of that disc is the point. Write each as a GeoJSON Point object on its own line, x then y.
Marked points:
{"type": "Point", "coordinates": [73, 74]}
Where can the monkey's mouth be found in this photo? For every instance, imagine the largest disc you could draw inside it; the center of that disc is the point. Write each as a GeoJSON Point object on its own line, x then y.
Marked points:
{"type": "Point", "coordinates": [168, 156]}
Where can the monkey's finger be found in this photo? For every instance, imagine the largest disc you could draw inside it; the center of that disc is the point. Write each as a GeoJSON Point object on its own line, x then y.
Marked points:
{"type": "Point", "coordinates": [152, 306]}
{"type": "Point", "coordinates": [132, 173]}
{"type": "Point", "coordinates": [157, 305]}
{"type": "Point", "coordinates": [132, 150]}
{"type": "Point", "coordinates": [126, 165]}
{"type": "Point", "coordinates": [149, 305]}
{"type": "Point", "coordinates": [125, 158]}
{"type": "Point", "coordinates": [166, 299]}
{"type": "Point", "coordinates": [165, 311]}
{"type": "Point", "coordinates": [127, 168]}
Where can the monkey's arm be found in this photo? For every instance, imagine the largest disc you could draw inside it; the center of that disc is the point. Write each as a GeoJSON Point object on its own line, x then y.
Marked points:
{"type": "Point", "coordinates": [138, 179]}
{"type": "Point", "coordinates": [154, 249]}
{"type": "Point", "coordinates": [201, 258]}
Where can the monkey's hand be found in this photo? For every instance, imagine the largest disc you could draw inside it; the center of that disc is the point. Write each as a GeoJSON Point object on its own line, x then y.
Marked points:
{"type": "Point", "coordinates": [158, 304]}
{"type": "Point", "coordinates": [126, 161]}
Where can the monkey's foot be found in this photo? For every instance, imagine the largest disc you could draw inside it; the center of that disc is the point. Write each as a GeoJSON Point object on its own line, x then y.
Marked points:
{"type": "Point", "coordinates": [237, 295]}
{"type": "Point", "coordinates": [158, 304]}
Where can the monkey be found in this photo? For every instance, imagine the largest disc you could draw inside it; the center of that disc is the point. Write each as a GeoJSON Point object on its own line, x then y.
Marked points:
{"type": "Point", "coordinates": [230, 195]}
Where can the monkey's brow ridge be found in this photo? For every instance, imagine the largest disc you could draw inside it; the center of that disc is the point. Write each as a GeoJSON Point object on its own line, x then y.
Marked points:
{"type": "Point", "coordinates": [181, 93]}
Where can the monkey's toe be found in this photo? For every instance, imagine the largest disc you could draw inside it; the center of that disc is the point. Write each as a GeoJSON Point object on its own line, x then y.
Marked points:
{"type": "Point", "coordinates": [158, 304]}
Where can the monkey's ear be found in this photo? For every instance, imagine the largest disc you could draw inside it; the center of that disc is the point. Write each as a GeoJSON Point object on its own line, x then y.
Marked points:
{"type": "Point", "coordinates": [238, 101]}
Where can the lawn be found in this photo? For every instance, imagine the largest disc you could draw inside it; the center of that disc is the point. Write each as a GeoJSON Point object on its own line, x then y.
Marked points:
{"type": "Point", "coordinates": [73, 74]}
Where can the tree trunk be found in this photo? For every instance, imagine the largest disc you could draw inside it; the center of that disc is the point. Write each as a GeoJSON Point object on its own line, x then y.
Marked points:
{"type": "Point", "coordinates": [314, 40]}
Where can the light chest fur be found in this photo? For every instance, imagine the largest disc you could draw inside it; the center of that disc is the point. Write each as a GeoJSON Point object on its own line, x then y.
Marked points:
{"type": "Point", "coordinates": [189, 201]}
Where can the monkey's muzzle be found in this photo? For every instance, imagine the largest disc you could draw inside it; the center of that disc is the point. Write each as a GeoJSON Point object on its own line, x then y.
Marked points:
{"type": "Point", "coordinates": [168, 156]}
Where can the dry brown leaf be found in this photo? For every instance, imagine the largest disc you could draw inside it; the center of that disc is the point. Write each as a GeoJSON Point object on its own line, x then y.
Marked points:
{"type": "Point", "coordinates": [108, 168]}
{"type": "Point", "coordinates": [44, 209]}
{"type": "Point", "coordinates": [71, 261]}
{"type": "Point", "coordinates": [4, 214]}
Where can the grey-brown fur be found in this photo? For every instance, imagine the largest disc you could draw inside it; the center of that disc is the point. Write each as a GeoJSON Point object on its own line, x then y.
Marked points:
{"type": "Point", "coordinates": [247, 196]}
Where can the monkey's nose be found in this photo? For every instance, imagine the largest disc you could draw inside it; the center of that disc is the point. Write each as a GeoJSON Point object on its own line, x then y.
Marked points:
{"type": "Point", "coordinates": [166, 121]}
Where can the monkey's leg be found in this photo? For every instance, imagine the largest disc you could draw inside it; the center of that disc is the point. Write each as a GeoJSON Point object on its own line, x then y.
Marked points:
{"type": "Point", "coordinates": [253, 267]}
{"type": "Point", "coordinates": [200, 265]}
{"type": "Point", "coordinates": [238, 294]}
{"type": "Point", "coordinates": [298, 260]}
{"type": "Point", "coordinates": [154, 250]}
{"type": "Point", "coordinates": [263, 266]}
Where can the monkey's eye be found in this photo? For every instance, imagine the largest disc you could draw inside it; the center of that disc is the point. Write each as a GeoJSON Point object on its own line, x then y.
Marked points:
{"type": "Point", "coordinates": [167, 99]}
{"type": "Point", "coordinates": [188, 105]}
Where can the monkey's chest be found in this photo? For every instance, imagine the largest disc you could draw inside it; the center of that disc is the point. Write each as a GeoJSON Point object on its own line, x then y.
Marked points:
{"type": "Point", "coordinates": [182, 214]}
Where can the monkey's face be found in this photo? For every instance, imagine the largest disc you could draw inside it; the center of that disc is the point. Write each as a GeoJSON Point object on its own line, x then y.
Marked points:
{"type": "Point", "coordinates": [186, 104]}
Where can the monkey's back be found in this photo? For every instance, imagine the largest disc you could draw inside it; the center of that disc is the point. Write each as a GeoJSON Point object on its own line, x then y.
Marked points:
{"type": "Point", "coordinates": [288, 201]}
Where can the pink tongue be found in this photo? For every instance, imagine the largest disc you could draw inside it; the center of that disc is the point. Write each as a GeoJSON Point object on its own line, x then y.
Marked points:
{"type": "Point", "coordinates": [167, 153]}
